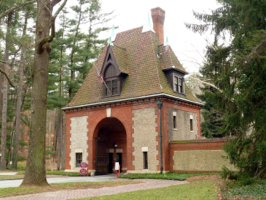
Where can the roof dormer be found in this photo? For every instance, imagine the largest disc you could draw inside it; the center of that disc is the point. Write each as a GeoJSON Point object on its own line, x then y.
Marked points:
{"type": "Point", "coordinates": [114, 70]}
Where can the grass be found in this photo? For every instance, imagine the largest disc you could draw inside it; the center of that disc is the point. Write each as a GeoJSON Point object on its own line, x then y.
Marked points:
{"type": "Point", "coordinates": [253, 191]}
{"type": "Point", "coordinates": [7, 177]}
{"type": "Point", "coordinates": [200, 190]}
{"type": "Point", "coordinates": [168, 176]}
{"type": "Point", "coordinates": [61, 173]}
{"type": "Point", "coordinates": [7, 192]}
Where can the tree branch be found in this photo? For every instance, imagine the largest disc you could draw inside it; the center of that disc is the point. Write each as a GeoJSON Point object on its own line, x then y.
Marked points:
{"type": "Point", "coordinates": [15, 7]}
{"type": "Point", "coordinates": [7, 77]}
{"type": "Point", "coordinates": [60, 8]}
{"type": "Point", "coordinates": [54, 18]}
{"type": "Point", "coordinates": [54, 2]}
{"type": "Point", "coordinates": [210, 84]}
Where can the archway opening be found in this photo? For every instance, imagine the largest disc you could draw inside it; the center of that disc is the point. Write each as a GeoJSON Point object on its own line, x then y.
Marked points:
{"type": "Point", "coordinates": [111, 146]}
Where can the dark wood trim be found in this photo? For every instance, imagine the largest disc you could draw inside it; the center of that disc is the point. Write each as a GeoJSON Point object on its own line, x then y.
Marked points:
{"type": "Point", "coordinates": [107, 62]}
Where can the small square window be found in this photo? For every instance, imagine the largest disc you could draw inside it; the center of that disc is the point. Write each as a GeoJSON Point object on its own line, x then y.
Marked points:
{"type": "Point", "coordinates": [78, 159]}
{"type": "Point", "coordinates": [174, 121]}
{"type": "Point", "coordinates": [145, 160]}
{"type": "Point", "coordinates": [191, 124]}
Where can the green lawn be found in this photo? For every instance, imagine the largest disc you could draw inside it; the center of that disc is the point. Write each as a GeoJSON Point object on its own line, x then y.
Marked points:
{"type": "Point", "coordinates": [200, 190]}
{"type": "Point", "coordinates": [168, 176]}
{"type": "Point", "coordinates": [6, 177]}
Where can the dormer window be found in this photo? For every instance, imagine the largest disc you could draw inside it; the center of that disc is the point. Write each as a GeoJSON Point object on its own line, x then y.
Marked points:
{"type": "Point", "coordinates": [112, 87]}
{"type": "Point", "coordinates": [113, 76]}
{"type": "Point", "coordinates": [178, 84]}
{"type": "Point", "coordinates": [112, 81]}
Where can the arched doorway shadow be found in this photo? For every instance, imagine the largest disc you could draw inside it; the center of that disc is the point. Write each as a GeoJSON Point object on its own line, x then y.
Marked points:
{"type": "Point", "coordinates": [110, 145]}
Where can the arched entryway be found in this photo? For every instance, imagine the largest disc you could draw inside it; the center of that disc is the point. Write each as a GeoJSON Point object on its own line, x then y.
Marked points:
{"type": "Point", "coordinates": [110, 146]}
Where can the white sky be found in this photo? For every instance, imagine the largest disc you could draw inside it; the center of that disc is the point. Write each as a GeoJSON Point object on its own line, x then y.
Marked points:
{"type": "Point", "coordinates": [189, 47]}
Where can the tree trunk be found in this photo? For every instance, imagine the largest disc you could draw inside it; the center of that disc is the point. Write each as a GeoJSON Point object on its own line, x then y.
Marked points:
{"type": "Point", "coordinates": [5, 89]}
{"type": "Point", "coordinates": [35, 168]}
{"type": "Point", "coordinates": [1, 84]}
{"type": "Point", "coordinates": [19, 88]}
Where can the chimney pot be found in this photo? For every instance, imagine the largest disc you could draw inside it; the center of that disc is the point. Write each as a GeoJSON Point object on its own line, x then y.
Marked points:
{"type": "Point", "coordinates": [158, 16]}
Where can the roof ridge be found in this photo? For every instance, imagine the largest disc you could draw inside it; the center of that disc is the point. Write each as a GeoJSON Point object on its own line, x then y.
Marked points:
{"type": "Point", "coordinates": [129, 30]}
{"type": "Point", "coordinates": [154, 57]}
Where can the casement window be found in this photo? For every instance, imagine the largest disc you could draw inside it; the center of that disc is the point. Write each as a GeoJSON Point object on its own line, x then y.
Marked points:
{"type": "Point", "coordinates": [178, 85]}
{"type": "Point", "coordinates": [78, 159]}
{"type": "Point", "coordinates": [175, 84]}
{"type": "Point", "coordinates": [112, 81]}
{"type": "Point", "coordinates": [111, 87]}
{"type": "Point", "coordinates": [145, 160]}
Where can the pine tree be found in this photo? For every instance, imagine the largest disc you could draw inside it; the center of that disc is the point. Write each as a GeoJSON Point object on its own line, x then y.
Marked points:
{"type": "Point", "coordinates": [239, 72]}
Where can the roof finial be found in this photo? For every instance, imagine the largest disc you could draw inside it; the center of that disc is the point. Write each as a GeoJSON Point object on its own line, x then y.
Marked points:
{"type": "Point", "coordinates": [148, 26]}
{"type": "Point", "coordinates": [109, 42]}
{"type": "Point", "coordinates": [166, 42]}
{"type": "Point", "coordinates": [113, 35]}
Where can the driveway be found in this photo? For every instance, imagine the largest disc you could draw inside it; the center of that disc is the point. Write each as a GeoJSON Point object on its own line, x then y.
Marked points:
{"type": "Point", "coordinates": [65, 179]}
{"type": "Point", "coordinates": [82, 193]}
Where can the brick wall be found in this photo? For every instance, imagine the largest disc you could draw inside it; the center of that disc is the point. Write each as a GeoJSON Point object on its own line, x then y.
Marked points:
{"type": "Point", "coordinates": [132, 116]}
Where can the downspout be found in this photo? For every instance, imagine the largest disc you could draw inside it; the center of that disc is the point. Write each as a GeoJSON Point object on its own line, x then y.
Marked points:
{"type": "Point", "coordinates": [159, 104]}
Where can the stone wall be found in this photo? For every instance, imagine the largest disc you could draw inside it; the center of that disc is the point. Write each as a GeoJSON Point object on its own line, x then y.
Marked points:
{"type": "Point", "coordinates": [145, 139]}
{"type": "Point", "coordinates": [198, 156]}
{"type": "Point", "coordinates": [200, 160]}
{"type": "Point", "coordinates": [78, 140]}
{"type": "Point", "coordinates": [182, 130]}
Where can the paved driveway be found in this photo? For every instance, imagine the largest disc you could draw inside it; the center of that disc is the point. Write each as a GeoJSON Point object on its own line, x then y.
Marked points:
{"type": "Point", "coordinates": [65, 179]}
{"type": "Point", "coordinates": [82, 193]}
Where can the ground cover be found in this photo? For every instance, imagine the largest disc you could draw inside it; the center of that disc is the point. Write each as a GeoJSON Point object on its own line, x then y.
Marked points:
{"type": "Point", "coordinates": [254, 191]}
{"type": "Point", "coordinates": [168, 176]}
{"type": "Point", "coordinates": [15, 191]}
{"type": "Point", "coordinates": [200, 190]}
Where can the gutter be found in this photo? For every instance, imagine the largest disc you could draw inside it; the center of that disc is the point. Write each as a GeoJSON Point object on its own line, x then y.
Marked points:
{"type": "Point", "coordinates": [134, 98]}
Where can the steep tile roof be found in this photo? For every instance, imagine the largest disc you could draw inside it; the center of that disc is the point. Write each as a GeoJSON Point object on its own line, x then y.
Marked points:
{"type": "Point", "coordinates": [136, 54]}
{"type": "Point", "coordinates": [169, 59]}
{"type": "Point", "coordinates": [120, 58]}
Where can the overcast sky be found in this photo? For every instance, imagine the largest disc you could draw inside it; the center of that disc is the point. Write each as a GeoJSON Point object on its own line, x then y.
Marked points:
{"type": "Point", "coordinates": [188, 46]}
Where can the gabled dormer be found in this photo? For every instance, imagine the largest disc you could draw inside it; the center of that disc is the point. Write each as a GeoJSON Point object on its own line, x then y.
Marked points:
{"type": "Point", "coordinates": [172, 69]}
{"type": "Point", "coordinates": [114, 71]}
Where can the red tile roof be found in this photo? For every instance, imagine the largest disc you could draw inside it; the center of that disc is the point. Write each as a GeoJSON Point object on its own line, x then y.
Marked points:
{"type": "Point", "coordinates": [136, 54]}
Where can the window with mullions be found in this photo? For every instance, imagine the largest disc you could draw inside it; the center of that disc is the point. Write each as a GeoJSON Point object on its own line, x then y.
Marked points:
{"type": "Point", "coordinates": [178, 84]}
{"type": "Point", "coordinates": [111, 88]}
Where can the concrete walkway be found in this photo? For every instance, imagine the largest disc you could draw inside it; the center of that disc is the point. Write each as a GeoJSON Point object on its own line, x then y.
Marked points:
{"type": "Point", "coordinates": [8, 173]}
{"type": "Point", "coordinates": [82, 193]}
{"type": "Point", "coordinates": [62, 179]}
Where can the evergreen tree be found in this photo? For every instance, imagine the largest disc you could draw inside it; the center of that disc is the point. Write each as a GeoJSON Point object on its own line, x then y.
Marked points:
{"type": "Point", "coordinates": [239, 73]}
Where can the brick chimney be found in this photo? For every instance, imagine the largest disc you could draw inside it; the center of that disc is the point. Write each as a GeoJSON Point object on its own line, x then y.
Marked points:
{"type": "Point", "coordinates": [158, 16]}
